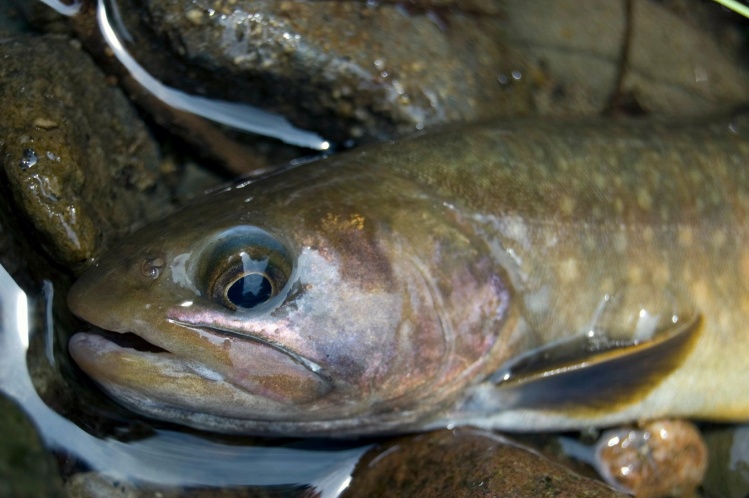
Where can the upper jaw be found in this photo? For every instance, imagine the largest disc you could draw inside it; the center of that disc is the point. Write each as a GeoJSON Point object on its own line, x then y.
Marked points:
{"type": "Point", "coordinates": [243, 336]}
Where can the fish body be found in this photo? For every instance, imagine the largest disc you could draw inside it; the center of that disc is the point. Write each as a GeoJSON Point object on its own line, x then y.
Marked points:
{"type": "Point", "coordinates": [523, 276]}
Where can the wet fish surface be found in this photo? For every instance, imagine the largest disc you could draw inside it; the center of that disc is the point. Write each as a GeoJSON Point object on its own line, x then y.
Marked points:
{"type": "Point", "coordinates": [525, 276]}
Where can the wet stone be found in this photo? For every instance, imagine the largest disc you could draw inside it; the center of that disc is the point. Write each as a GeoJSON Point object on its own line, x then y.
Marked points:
{"type": "Point", "coordinates": [344, 69]}
{"type": "Point", "coordinates": [78, 164]}
{"type": "Point", "coordinates": [674, 64]}
{"type": "Point", "coordinates": [35, 13]}
{"type": "Point", "coordinates": [95, 485]}
{"type": "Point", "coordinates": [373, 70]}
{"type": "Point", "coordinates": [728, 470]}
{"type": "Point", "coordinates": [12, 19]}
{"type": "Point", "coordinates": [660, 458]}
{"type": "Point", "coordinates": [27, 469]}
{"type": "Point", "coordinates": [465, 462]}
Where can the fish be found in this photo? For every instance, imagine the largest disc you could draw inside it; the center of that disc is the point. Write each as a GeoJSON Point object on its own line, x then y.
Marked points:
{"type": "Point", "coordinates": [525, 275]}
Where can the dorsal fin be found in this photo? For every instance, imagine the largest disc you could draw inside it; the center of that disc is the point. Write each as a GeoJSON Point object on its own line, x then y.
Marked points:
{"type": "Point", "coordinates": [570, 376]}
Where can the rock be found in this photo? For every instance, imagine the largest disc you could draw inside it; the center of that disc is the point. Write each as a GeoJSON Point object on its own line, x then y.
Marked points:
{"type": "Point", "coordinates": [345, 69]}
{"type": "Point", "coordinates": [659, 459]}
{"type": "Point", "coordinates": [673, 65]}
{"type": "Point", "coordinates": [27, 469]}
{"type": "Point", "coordinates": [728, 470]}
{"type": "Point", "coordinates": [378, 69]}
{"type": "Point", "coordinates": [36, 14]}
{"type": "Point", "coordinates": [94, 485]}
{"type": "Point", "coordinates": [12, 21]}
{"type": "Point", "coordinates": [465, 462]}
{"type": "Point", "coordinates": [80, 166]}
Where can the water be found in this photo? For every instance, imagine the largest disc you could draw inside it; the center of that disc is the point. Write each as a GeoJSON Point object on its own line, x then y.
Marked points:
{"type": "Point", "coordinates": [29, 159]}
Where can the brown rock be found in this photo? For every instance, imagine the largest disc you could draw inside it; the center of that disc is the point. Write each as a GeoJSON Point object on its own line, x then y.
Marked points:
{"type": "Point", "coordinates": [372, 70]}
{"type": "Point", "coordinates": [345, 69]}
{"type": "Point", "coordinates": [79, 164]}
{"type": "Point", "coordinates": [659, 459]}
{"type": "Point", "coordinates": [465, 462]}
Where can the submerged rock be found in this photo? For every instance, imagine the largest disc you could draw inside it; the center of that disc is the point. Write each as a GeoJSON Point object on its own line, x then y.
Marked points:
{"type": "Point", "coordinates": [79, 164]}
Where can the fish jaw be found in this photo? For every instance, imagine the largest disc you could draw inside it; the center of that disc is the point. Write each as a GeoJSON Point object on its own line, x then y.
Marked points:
{"type": "Point", "coordinates": [230, 375]}
{"type": "Point", "coordinates": [143, 380]}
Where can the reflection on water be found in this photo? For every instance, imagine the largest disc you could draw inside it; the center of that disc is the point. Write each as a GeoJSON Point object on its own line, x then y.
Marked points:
{"type": "Point", "coordinates": [166, 458]}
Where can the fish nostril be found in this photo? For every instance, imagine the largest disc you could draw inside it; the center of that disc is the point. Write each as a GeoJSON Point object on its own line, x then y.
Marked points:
{"type": "Point", "coordinates": [152, 267]}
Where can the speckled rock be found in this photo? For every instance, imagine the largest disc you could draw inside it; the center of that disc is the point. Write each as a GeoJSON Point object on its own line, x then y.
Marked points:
{"type": "Point", "coordinates": [76, 160]}
{"type": "Point", "coordinates": [465, 462]}
{"type": "Point", "coordinates": [658, 459]}
{"type": "Point", "coordinates": [27, 470]}
{"type": "Point", "coordinates": [370, 70]}
{"type": "Point", "coordinates": [344, 69]}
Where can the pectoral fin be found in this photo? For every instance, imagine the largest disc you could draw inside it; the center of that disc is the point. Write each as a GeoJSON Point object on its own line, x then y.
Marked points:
{"type": "Point", "coordinates": [572, 377]}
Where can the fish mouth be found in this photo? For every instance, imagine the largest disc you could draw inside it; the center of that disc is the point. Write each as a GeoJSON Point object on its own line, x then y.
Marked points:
{"type": "Point", "coordinates": [127, 340]}
{"type": "Point", "coordinates": [199, 369]}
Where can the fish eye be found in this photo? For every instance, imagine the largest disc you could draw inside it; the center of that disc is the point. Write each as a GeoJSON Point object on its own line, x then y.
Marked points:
{"type": "Point", "coordinates": [248, 282]}
{"type": "Point", "coordinates": [246, 268]}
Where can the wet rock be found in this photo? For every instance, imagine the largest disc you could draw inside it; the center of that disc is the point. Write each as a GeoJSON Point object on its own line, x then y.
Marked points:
{"type": "Point", "coordinates": [27, 470]}
{"type": "Point", "coordinates": [672, 65]}
{"type": "Point", "coordinates": [465, 462]}
{"type": "Point", "coordinates": [228, 151]}
{"type": "Point", "coordinates": [17, 253]}
{"type": "Point", "coordinates": [37, 15]}
{"type": "Point", "coordinates": [728, 471]}
{"type": "Point", "coordinates": [95, 485]}
{"type": "Point", "coordinates": [377, 69]}
{"type": "Point", "coordinates": [79, 165]}
{"type": "Point", "coordinates": [659, 459]}
{"type": "Point", "coordinates": [344, 69]}
{"type": "Point", "coordinates": [11, 20]}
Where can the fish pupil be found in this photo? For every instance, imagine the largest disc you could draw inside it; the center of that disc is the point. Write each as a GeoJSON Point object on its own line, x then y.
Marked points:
{"type": "Point", "coordinates": [249, 291]}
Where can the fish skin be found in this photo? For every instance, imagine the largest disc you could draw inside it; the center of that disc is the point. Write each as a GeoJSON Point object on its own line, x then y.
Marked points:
{"type": "Point", "coordinates": [422, 267]}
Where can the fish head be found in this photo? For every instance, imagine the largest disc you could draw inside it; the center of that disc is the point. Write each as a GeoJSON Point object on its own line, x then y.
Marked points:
{"type": "Point", "coordinates": [333, 305]}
